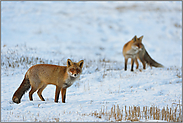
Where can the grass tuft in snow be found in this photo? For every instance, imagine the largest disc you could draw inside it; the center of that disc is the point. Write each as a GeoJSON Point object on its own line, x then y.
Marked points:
{"type": "Point", "coordinates": [137, 113]}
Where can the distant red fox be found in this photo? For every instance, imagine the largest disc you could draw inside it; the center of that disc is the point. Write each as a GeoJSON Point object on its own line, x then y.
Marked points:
{"type": "Point", "coordinates": [135, 49]}
{"type": "Point", "coordinates": [39, 76]}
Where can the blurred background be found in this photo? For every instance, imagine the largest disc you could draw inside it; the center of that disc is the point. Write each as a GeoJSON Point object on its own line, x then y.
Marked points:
{"type": "Point", "coordinates": [92, 30]}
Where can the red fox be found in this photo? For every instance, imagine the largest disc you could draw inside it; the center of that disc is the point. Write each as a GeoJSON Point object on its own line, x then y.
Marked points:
{"type": "Point", "coordinates": [39, 76]}
{"type": "Point", "coordinates": [135, 49]}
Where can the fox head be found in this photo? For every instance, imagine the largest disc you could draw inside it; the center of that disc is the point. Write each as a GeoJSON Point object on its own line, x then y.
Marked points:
{"type": "Point", "coordinates": [74, 69]}
{"type": "Point", "coordinates": [137, 43]}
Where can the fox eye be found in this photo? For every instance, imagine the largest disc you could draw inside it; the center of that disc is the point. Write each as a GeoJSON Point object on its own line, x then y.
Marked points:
{"type": "Point", "coordinates": [140, 46]}
{"type": "Point", "coordinates": [78, 71]}
{"type": "Point", "coordinates": [72, 70]}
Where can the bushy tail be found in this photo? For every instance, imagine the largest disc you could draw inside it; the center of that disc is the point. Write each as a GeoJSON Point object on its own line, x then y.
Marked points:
{"type": "Point", "coordinates": [25, 85]}
{"type": "Point", "coordinates": [150, 61]}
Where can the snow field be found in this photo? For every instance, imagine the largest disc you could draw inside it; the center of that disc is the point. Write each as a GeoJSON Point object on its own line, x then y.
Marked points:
{"type": "Point", "coordinates": [51, 32]}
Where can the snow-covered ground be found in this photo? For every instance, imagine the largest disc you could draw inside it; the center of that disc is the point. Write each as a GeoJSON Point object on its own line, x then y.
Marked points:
{"type": "Point", "coordinates": [52, 32]}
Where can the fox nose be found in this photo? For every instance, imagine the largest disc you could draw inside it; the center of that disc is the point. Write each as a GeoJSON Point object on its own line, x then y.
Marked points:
{"type": "Point", "coordinates": [74, 74]}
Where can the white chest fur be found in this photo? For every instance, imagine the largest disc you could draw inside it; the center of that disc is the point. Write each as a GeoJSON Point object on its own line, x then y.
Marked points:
{"type": "Point", "coordinates": [133, 52]}
{"type": "Point", "coordinates": [69, 81]}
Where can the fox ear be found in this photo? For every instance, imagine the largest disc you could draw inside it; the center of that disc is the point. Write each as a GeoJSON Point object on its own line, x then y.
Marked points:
{"type": "Point", "coordinates": [69, 62]}
{"type": "Point", "coordinates": [134, 38]}
{"type": "Point", "coordinates": [80, 63]}
{"type": "Point", "coordinates": [141, 38]}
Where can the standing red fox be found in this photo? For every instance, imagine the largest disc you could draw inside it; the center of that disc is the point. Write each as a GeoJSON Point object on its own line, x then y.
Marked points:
{"type": "Point", "coordinates": [39, 76]}
{"type": "Point", "coordinates": [135, 49]}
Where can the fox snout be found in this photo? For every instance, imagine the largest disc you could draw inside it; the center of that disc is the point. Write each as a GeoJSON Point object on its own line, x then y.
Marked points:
{"type": "Point", "coordinates": [73, 74]}
{"type": "Point", "coordinates": [136, 48]}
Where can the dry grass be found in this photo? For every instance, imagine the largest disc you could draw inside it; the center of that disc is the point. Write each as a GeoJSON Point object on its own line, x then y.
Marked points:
{"type": "Point", "coordinates": [136, 113]}
{"type": "Point", "coordinates": [26, 62]}
{"type": "Point", "coordinates": [138, 7]}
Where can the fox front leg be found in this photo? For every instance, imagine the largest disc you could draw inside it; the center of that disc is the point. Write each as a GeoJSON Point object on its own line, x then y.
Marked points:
{"type": "Point", "coordinates": [132, 63]}
{"type": "Point", "coordinates": [126, 60]}
{"type": "Point", "coordinates": [57, 92]}
{"type": "Point", "coordinates": [63, 92]}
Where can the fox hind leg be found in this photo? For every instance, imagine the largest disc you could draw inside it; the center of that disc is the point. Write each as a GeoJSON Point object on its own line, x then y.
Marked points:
{"type": "Point", "coordinates": [137, 64]}
{"type": "Point", "coordinates": [143, 62]}
{"type": "Point", "coordinates": [33, 89]}
{"type": "Point", "coordinates": [40, 92]}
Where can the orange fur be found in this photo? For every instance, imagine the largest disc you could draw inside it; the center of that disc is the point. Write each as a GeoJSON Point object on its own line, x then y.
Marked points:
{"type": "Point", "coordinates": [134, 49]}
{"type": "Point", "coordinates": [40, 75]}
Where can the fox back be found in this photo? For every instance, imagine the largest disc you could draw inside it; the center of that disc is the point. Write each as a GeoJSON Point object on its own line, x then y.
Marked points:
{"type": "Point", "coordinates": [47, 74]}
